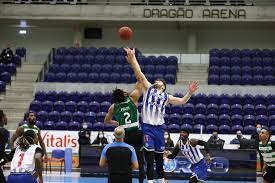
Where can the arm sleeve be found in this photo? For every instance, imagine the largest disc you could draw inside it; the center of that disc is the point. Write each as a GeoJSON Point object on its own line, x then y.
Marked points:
{"type": "Point", "coordinates": [8, 157]}
{"type": "Point", "coordinates": [174, 153]}
{"type": "Point", "coordinates": [133, 156]}
{"type": "Point", "coordinates": [203, 143]}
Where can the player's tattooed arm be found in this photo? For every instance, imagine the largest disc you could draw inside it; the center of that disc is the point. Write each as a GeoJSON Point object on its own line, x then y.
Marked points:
{"type": "Point", "coordinates": [174, 153]}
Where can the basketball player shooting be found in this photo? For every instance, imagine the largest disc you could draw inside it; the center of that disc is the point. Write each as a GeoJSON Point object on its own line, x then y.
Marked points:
{"type": "Point", "coordinates": [154, 101]}
{"type": "Point", "coordinates": [191, 151]}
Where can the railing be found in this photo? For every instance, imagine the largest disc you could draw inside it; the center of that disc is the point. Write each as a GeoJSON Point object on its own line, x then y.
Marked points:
{"type": "Point", "coordinates": [45, 67]}
{"type": "Point", "coordinates": [149, 2]}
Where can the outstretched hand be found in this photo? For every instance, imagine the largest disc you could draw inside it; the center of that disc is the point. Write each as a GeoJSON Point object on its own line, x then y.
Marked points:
{"type": "Point", "coordinates": [130, 54]}
{"type": "Point", "coordinates": [193, 87]}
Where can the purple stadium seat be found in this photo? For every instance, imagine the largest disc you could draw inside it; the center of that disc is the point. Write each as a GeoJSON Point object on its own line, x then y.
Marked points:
{"type": "Point", "coordinates": [74, 126]}
{"type": "Point", "coordinates": [66, 116]}
{"type": "Point", "coordinates": [49, 125]}
{"type": "Point", "coordinates": [272, 129]}
{"type": "Point", "coordinates": [258, 80]}
{"type": "Point", "coordinates": [61, 77]}
{"type": "Point", "coordinates": [39, 124]}
{"type": "Point", "coordinates": [47, 106]}
{"type": "Point", "coordinates": [93, 77]}
{"type": "Point", "coordinates": [225, 52]}
{"type": "Point", "coordinates": [259, 99]}
{"type": "Point", "coordinates": [224, 119]}
{"type": "Point", "coordinates": [172, 60]}
{"type": "Point", "coordinates": [158, 76]}
{"type": "Point", "coordinates": [268, 61]}
{"type": "Point", "coordinates": [92, 51]}
{"type": "Point", "coordinates": [99, 59]}
{"type": "Point", "coordinates": [79, 59]}
{"type": "Point", "coordinates": [51, 96]}
{"type": "Point", "coordinates": [160, 69]}
{"type": "Point", "coordinates": [72, 77]}
{"type": "Point", "coordinates": [246, 61]}
{"type": "Point", "coordinates": [90, 117]}
{"type": "Point", "coordinates": [78, 116]}
{"type": "Point", "coordinates": [74, 96]}
{"type": "Point", "coordinates": [262, 119]}
{"type": "Point", "coordinates": [83, 77]}
{"type": "Point", "coordinates": [236, 109]}
{"type": "Point", "coordinates": [237, 119]}
{"type": "Point", "coordinates": [200, 108]}
{"type": "Point", "coordinates": [271, 109]}
{"type": "Point", "coordinates": [235, 53]}
{"type": "Point", "coordinates": [89, 59]}
{"type": "Point", "coordinates": [225, 61]}
{"type": "Point", "coordinates": [201, 98]}
{"type": "Point", "coordinates": [177, 109]}
{"type": "Point", "coordinates": [214, 70]}
{"type": "Point", "coordinates": [82, 106]}
{"type": "Point", "coordinates": [104, 106]}
{"type": "Point", "coordinates": [61, 125]}
{"type": "Point", "coordinates": [225, 79]}
{"type": "Point", "coordinates": [199, 119]}
{"type": "Point", "coordinates": [86, 96]}
{"type": "Point", "coordinates": [214, 52]}
{"type": "Point", "coordinates": [120, 60]}
{"type": "Point", "coordinates": [188, 108]}
{"type": "Point", "coordinates": [175, 119]}
{"type": "Point", "coordinates": [54, 68]}
{"type": "Point", "coordinates": [59, 106]}
{"type": "Point", "coordinates": [235, 70]}
{"type": "Point", "coordinates": [109, 127]}
{"type": "Point", "coordinates": [148, 69]}
{"type": "Point", "coordinates": [99, 97]}
{"type": "Point", "coordinates": [213, 79]}
{"type": "Point", "coordinates": [187, 119]}
{"type": "Point", "coordinates": [107, 68]}
{"type": "Point", "coordinates": [245, 53]}
{"type": "Point", "coordinates": [257, 61]}
{"type": "Point", "coordinates": [249, 129]}
{"type": "Point", "coordinates": [35, 106]}
{"type": "Point", "coordinates": [248, 109]}
{"type": "Point", "coordinates": [211, 128]}
{"type": "Point", "coordinates": [68, 59]}
{"type": "Point", "coordinates": [167, 108]}
{"type": "Point", "coordinates": [224, 129]}
{"type": "Point", "coordinates": [225, 99]}
{"type": "Point", "coordinates": [99, 126]}
{"type": "Point", "coordinates": [170, 78]}
{"type": "Point", "coordinates": [248, 99]}
{"type": "Point", "coordinates": [96, 68]}
{"type": "Point", "coordinates": [236, 79]}
{"type": "Point", "coordinates": [110, 59]}
{"type": "Point", "coordinates": [260, 109]}
{"type": "Point", "coordinates": [174, 128]}
{"type": "Point", "coordinates": [267, 70]}
{"type": "Point", "coordinates": [257, 70]}
{"type": "Point", "coordinates": [224, 109]}
{"type": "Point", "coordinates": [212, 119]}
{"type": "Point", "coordinates": [266, 53]}
{"type": "Point", "coordinates": [214, 61]}
{"type": "Point", "coordinates": [54, 116]}
{"type": "Point", "coordinates": [236, 128]}
{"type": "Point", "coordinates": [270, 99]}
{"type": "Point", "coordinates": [59, 59]}
{"type": "Point", "coordinates": [236, 99]}
{"type": "Point", "coordinates": [101, 116]}
{"type": "Point", "coordinates": [6, 77]}
{"type": "Point", "coordinates": [269, 80]}
{"type": "Point", "coordinates": [197, 128]}
{"type": "Point", "coordinates": [187, 127]}
{"type": "Point", "coordinates": [256, 53]}
{"type": "Point", "coordinates": [42, 116]}
{"type": "Point", "coordinates": [65, 68]}
{"type": "Point", "coordinates": [70, 106]}
{"type": "Point", "coordinates": [235, 61]}
{"type": "Point", "coordinates": [225, 70]}
{"type": "Point", "coordinates": [212, 109]}
{"type": "Point", "coordinates": [171, 69]}
{"type": "Point", "coordinates": [247, 80]}
{"type": "Point", "coordinates": [164, 127]}
{"type": "Point", "coordinates": [213, 99]}
{"type": "Point", "coordinates": [249, 120]}
{"type": "Point", "coordinates": [271, 120]}
{"type": "Point", "coordinates": [115, 77]}
{"type": "Point", "coordinates": [125, 78]}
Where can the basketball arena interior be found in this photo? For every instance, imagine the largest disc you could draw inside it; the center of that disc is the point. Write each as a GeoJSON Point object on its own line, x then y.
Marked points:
{"type": "Point", "coordinates": [68, 57]}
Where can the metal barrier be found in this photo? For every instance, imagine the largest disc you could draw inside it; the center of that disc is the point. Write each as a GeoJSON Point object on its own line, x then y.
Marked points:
{"type": "Point", "coordinates": [45, 67]}
{"type": "Point", "coordinates": [149, 2]}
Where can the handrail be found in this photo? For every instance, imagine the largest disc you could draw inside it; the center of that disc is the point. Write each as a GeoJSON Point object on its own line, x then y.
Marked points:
{"type": "Point", "coordinates": [45, 67]}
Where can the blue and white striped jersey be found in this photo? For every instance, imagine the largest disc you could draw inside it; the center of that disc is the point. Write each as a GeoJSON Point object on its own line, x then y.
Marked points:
{"type": "Point", "coordinates": [193, 154]}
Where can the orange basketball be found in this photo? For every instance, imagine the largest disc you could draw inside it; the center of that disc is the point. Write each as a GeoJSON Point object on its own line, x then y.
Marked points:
{"type": "Point", "coordinates": [125, 33]}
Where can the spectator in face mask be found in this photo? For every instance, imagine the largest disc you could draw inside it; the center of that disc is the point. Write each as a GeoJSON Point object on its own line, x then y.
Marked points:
{"type": "Point", "coordinates": [83, 138]}
{"type": "Point", "coordinates": [215, 142]}
{"type": "Point", "coordinates": [100, 140]}
{"type": "Point", "coordinates": [255, 135]}
{"type": "Point", "coordinates": [168, 141]}
{"type": "Point", "coordinates": [238, 138]}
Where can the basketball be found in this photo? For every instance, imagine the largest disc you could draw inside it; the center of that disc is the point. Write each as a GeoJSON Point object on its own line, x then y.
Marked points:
{"type": "Point", "coordinates": [125, 33]}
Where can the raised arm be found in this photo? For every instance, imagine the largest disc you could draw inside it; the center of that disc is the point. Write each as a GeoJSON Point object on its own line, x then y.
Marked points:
{"type": "Point", "coordinates": [131, 58]}
{"type": "Point", "coordinates": [136, 93]}
{"type": "Point", "coordinates": [16, 134]}
{"type": "Point", "coordinates": [180, 101]}
{"type": "Point", "coordinates": [109, 116]}
{"type": "Point", "coordinates": [41, 142]}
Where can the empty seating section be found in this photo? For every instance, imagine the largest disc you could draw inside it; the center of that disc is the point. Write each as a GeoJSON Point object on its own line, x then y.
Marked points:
{"type": "Point", "coordinates": [106, 65]}
{"type": "Point", "coordinates": [9, 69]}
{"type": "Point", "coordinates": [227, 114]}
{"type": "Point", "coordinates": [242, 67]}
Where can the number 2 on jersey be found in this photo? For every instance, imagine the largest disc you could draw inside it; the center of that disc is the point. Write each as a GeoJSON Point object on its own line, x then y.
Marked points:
{"type": "Point", "coordinates": [21, 159]}
{"type": "Point", "coordinates": [127, 116]}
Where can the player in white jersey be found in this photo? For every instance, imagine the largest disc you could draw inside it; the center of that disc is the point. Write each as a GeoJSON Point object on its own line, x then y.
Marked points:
{"type": "Point", "coordinates": [154, 101]}
{"type": "Point", "coordinates": [26, 160]}
{"type": "Point", "coordinates": [190, 150]}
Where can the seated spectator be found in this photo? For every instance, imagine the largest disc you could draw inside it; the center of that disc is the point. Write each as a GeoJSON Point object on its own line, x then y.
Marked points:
{"type": "Point", "coordinates": [238, 138]}
{"type": "Point", "coordinates": [255, 135]}
{"type": "Point", "coordinates": [215, 142]}
{"type": "Point", "coordinates": [100, 140]}
{"type": "Point", "coordinates": [168, 141]}
{"type": "Point", "coordinates": [6, 55]}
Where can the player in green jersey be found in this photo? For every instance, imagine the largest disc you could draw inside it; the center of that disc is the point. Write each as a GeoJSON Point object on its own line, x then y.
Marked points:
{"type": "Point", "coordinates": [125, 110]}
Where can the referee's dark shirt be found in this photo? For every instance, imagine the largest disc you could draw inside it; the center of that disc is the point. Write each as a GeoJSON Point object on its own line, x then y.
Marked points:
{"type": "Point", "coordinates": [4, 137]}
{"type": "Point", "coordinates": [120, 157]}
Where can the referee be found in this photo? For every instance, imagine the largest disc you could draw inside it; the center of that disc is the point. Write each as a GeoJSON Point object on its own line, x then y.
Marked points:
{"type": "Point", "coordinates": [4, 138]}
{"type": "Point", "coordinates": [120, 158]}
{"type": "Point", "coordinates": [267, 150]}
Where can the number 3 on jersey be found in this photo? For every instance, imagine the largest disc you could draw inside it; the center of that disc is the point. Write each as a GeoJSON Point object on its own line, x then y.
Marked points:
{"type": "Point", "coordinates": [127, 116]}
{"type": "Point", "coordinates": [21, 159]}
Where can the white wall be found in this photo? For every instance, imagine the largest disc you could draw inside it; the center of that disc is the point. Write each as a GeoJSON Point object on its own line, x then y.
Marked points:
{"type": "Point", "coordinates": [158, 37]}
